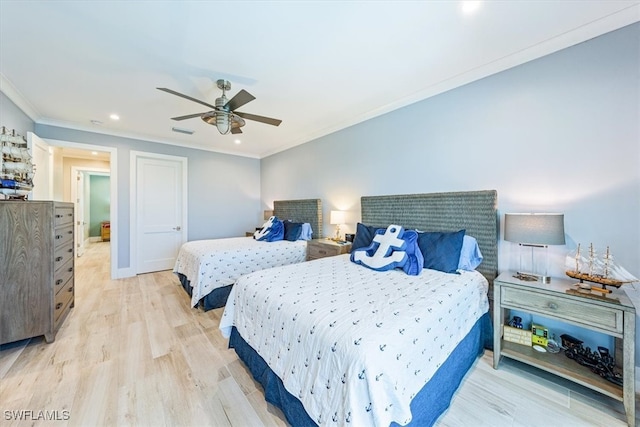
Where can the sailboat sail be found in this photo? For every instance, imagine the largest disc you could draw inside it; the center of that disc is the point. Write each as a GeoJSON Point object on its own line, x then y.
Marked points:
{"type": "Point", "coordinates": [599, 270]}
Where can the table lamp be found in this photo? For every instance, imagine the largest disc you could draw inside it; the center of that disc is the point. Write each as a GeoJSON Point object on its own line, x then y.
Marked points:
{"type": "Point", "coordinates": [337, 218]}
{"type": "Point", "coordinates": [534, 231]}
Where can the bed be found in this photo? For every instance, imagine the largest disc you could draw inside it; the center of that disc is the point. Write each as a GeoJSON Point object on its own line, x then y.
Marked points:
{"type": "Point", "coordinates": [363, 347]}
{"type": "Point", "coordinates": [207, 269]}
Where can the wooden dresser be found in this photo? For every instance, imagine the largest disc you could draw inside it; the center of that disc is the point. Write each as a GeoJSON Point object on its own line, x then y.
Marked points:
{"type": "Point", "coordinates": [37, 268]}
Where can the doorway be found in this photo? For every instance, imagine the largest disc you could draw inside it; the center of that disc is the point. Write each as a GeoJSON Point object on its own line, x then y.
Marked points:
{"type": "Point", "coordinates": [158, 210]}
{"type": "Point", "coordinates": [81, 195]}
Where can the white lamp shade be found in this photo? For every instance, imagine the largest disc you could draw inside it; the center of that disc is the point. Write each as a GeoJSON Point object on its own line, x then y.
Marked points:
{"type": "Point", "coordinates": [534, 228]}
{"type": "Point", "coordinates": [337, 217]}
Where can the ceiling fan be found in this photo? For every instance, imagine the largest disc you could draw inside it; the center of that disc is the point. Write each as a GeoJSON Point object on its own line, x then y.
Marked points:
{"type": "Point", "coordinates": [224, 115]}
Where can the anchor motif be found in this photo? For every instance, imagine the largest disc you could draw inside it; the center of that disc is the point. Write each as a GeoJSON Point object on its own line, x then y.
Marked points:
{"type": "Point", "coordinates": [389, 250]}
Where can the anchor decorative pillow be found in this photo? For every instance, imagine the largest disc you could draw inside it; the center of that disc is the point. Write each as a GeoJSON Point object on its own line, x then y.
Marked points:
{"type": "Point", "coordinates": [392, 248]}
{"type": "Point", "coordinates": [271, 230]}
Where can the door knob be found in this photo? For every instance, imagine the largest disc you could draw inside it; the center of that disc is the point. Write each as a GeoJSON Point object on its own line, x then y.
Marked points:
{"type": "Point", "coordinates": [177, 228]}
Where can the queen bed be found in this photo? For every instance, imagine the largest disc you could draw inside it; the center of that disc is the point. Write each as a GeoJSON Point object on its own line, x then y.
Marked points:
{"type": "Point", "coordinates": [335, 343]}
{"type": "Point", "coordinates": [207, 269]}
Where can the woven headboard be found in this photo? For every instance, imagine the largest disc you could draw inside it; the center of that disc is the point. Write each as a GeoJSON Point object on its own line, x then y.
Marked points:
{"type": "Point", "coordinates": [305, 210]}
{"type": "Point", "coordinates": [474, 211]}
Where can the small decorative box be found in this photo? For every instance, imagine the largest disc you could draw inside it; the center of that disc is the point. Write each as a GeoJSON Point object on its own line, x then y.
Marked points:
{"type": "Point", "coordinates": [518, 336]}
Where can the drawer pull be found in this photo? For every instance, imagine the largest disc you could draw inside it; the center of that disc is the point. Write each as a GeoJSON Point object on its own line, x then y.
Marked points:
{"type": "Point", "coordinates": [58, 236]}
{"type": "Point", "coordinates": [70, 232]}
{"type": "Point", "coordinates": [553, 306]}
{"type": "Point", "coordinates": [70, 269]}
{"type": "Point", "coordinates": [323, 252]}
{"type": "Point", "coordinates": [71, 289]}
{"type": "Point", "coordinates": [58, 259]}
{"type": "Point", "coordinates": [58, 306]}
{"type": "Point", "coordinates": [70, 250]}
{"type": "Point", "coordinates": [58, 282]}
{"type": "Point", "coordinates": [58, 216]}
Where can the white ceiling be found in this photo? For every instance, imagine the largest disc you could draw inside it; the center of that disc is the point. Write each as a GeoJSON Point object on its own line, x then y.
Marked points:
{"type": "Point", "coordinates": [320, 66]}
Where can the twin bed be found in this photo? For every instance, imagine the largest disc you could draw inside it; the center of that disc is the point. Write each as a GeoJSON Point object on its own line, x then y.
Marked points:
{"type": "Point", "coordinates": [335, 343]}
{"type": "Point", "coordinates": [207, 269]}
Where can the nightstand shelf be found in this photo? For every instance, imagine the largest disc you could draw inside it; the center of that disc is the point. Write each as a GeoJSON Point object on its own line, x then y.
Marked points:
{"type": "Point", "coordinates": [562, 366]}
{"type": "Point", "coordinates": [613, 315]}
{"type": "Point", "coordinates": [321, 248]}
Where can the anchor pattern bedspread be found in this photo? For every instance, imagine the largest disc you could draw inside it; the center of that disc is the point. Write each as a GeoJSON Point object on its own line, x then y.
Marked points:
{"type": "Point", "coordinates": [354, 345]}
{"type": "Point", "coordinates": [211, 264]}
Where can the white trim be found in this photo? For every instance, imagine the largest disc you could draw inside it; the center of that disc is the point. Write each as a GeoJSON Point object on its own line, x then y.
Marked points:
{"type": "Point", "coordinates": [17, 98]}
{"type": "Point", "coordinates": [133, 199]}
{"type": "Point", "coordinates": [113, 211]}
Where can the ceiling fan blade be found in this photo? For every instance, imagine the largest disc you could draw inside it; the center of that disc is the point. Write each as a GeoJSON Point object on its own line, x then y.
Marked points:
{"type": "Point", "coordinates": [236, 130]}
{"type": "Point", "coordinates": [262, 119]}
{"type": "Point", "coordinates": [173, 92]}
{"type": "Point", "coordinates": [188, 116]}
{"type": "Point", "coordinates": [239, 100]}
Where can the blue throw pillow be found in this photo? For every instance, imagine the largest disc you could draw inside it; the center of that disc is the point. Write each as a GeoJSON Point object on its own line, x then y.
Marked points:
{"type": "Point", "coordinates": [364, 236]}
{"type": "Point", "coordinates": [292, 230]}
{"type": "Point", "coordinates": [441, 250]}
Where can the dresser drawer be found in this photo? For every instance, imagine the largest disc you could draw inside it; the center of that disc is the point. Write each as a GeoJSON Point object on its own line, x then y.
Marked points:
{"type": "Point", "coordinates": [63, 216]}
{"type": "Point", "coordinates": [61, 277]}
{"type": "Point", "coordinates": [591, 315]}
{"type": "Point", "coordinates": [62, 301]}
{"type": "Point", "coordinates": [62, 255]}
{"type": "Point", "coordinates": [63, 235]}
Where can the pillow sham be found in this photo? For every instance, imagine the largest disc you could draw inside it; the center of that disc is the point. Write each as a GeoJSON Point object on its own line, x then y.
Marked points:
{"type": "Point", "coordinates": [271, 231]}
{"type": "Point", "coordinates": [441, 250]}
{"type": "Point", "coordinates": [470, 255]}
{"type": "Point", "coordinates": [364, 236]}
{"type": "Point", "coordinates": [307, 232]}
{"type": "Point", "coordinates": [292, 230]}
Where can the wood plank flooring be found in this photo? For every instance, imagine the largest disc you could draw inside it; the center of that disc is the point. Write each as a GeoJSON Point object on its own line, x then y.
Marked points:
{"type": "Point", "coordinates": [133, 353]}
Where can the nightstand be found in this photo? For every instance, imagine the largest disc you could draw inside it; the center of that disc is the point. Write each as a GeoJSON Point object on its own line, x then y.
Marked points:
{"type": "Point", "coordinates": [320, 248]}
{"type": "Point", "coordinates": [613, 315]}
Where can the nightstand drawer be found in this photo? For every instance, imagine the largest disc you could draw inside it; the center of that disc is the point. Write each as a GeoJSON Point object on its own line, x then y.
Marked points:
{"type": "Point", "coordinates": [321, 248]}
{"type": "Point", "coordinates": [591, 315]}
{"type": "Point", "coordinates": [321, 251]}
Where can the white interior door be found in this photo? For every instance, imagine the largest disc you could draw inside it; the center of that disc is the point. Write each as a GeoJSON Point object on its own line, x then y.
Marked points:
{"type": "Point", "coordinates": [160, 213]}
{"type": "Point", "coordinates": [43, 165]}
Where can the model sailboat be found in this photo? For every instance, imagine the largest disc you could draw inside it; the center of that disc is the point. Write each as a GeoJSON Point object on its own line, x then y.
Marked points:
{"type": "Point", "coordinates": [603, 271]}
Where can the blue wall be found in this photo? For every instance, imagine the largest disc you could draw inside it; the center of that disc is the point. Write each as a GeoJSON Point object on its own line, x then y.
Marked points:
{"type": "Point", "coordinates": [99, 203]}
{"type": "Point", "coordinates": [557, 134]}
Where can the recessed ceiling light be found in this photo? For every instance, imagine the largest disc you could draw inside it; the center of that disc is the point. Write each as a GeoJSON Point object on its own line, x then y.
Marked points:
{"type": "Point", "coordinates": [471, 6]}
{"type": "Point", "coordinates": [95, 153]}
{"type": "Point", "coordinates": [114, 117]}
{"type": "Point", "coordinates": [237, 141]}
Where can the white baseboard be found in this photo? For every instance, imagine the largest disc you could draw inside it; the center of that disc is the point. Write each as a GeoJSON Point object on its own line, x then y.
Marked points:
{"type": "Point", "coordinates": [123, 273]}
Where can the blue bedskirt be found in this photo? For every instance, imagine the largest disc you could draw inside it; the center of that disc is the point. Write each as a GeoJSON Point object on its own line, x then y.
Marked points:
{"type": "Point", "coordinates": [426, 407]}
{"type": "Point", "coordinates": [216, 299]}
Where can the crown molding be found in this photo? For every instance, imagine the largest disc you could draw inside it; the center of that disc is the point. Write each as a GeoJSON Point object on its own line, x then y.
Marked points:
{"type": "Point", "coordinates": [17, 98]}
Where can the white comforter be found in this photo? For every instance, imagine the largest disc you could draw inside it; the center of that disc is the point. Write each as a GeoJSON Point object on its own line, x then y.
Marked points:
{"type": "Point", "coordinates": [354, 345]}
{"type": "Point", "coordinates": [211, 264]}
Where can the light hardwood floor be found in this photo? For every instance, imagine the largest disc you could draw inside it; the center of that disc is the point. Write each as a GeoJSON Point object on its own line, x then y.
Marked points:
{"type": "Point", "coordinates": [132, 352]}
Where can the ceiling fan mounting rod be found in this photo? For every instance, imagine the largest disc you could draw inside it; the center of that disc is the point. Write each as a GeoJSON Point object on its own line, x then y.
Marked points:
{"type": "Point", "coordinates": [224, 85]}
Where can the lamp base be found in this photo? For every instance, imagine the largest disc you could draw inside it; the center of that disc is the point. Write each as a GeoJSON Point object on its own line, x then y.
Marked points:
{"type": "Point", "coordinates": [530, 277]}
